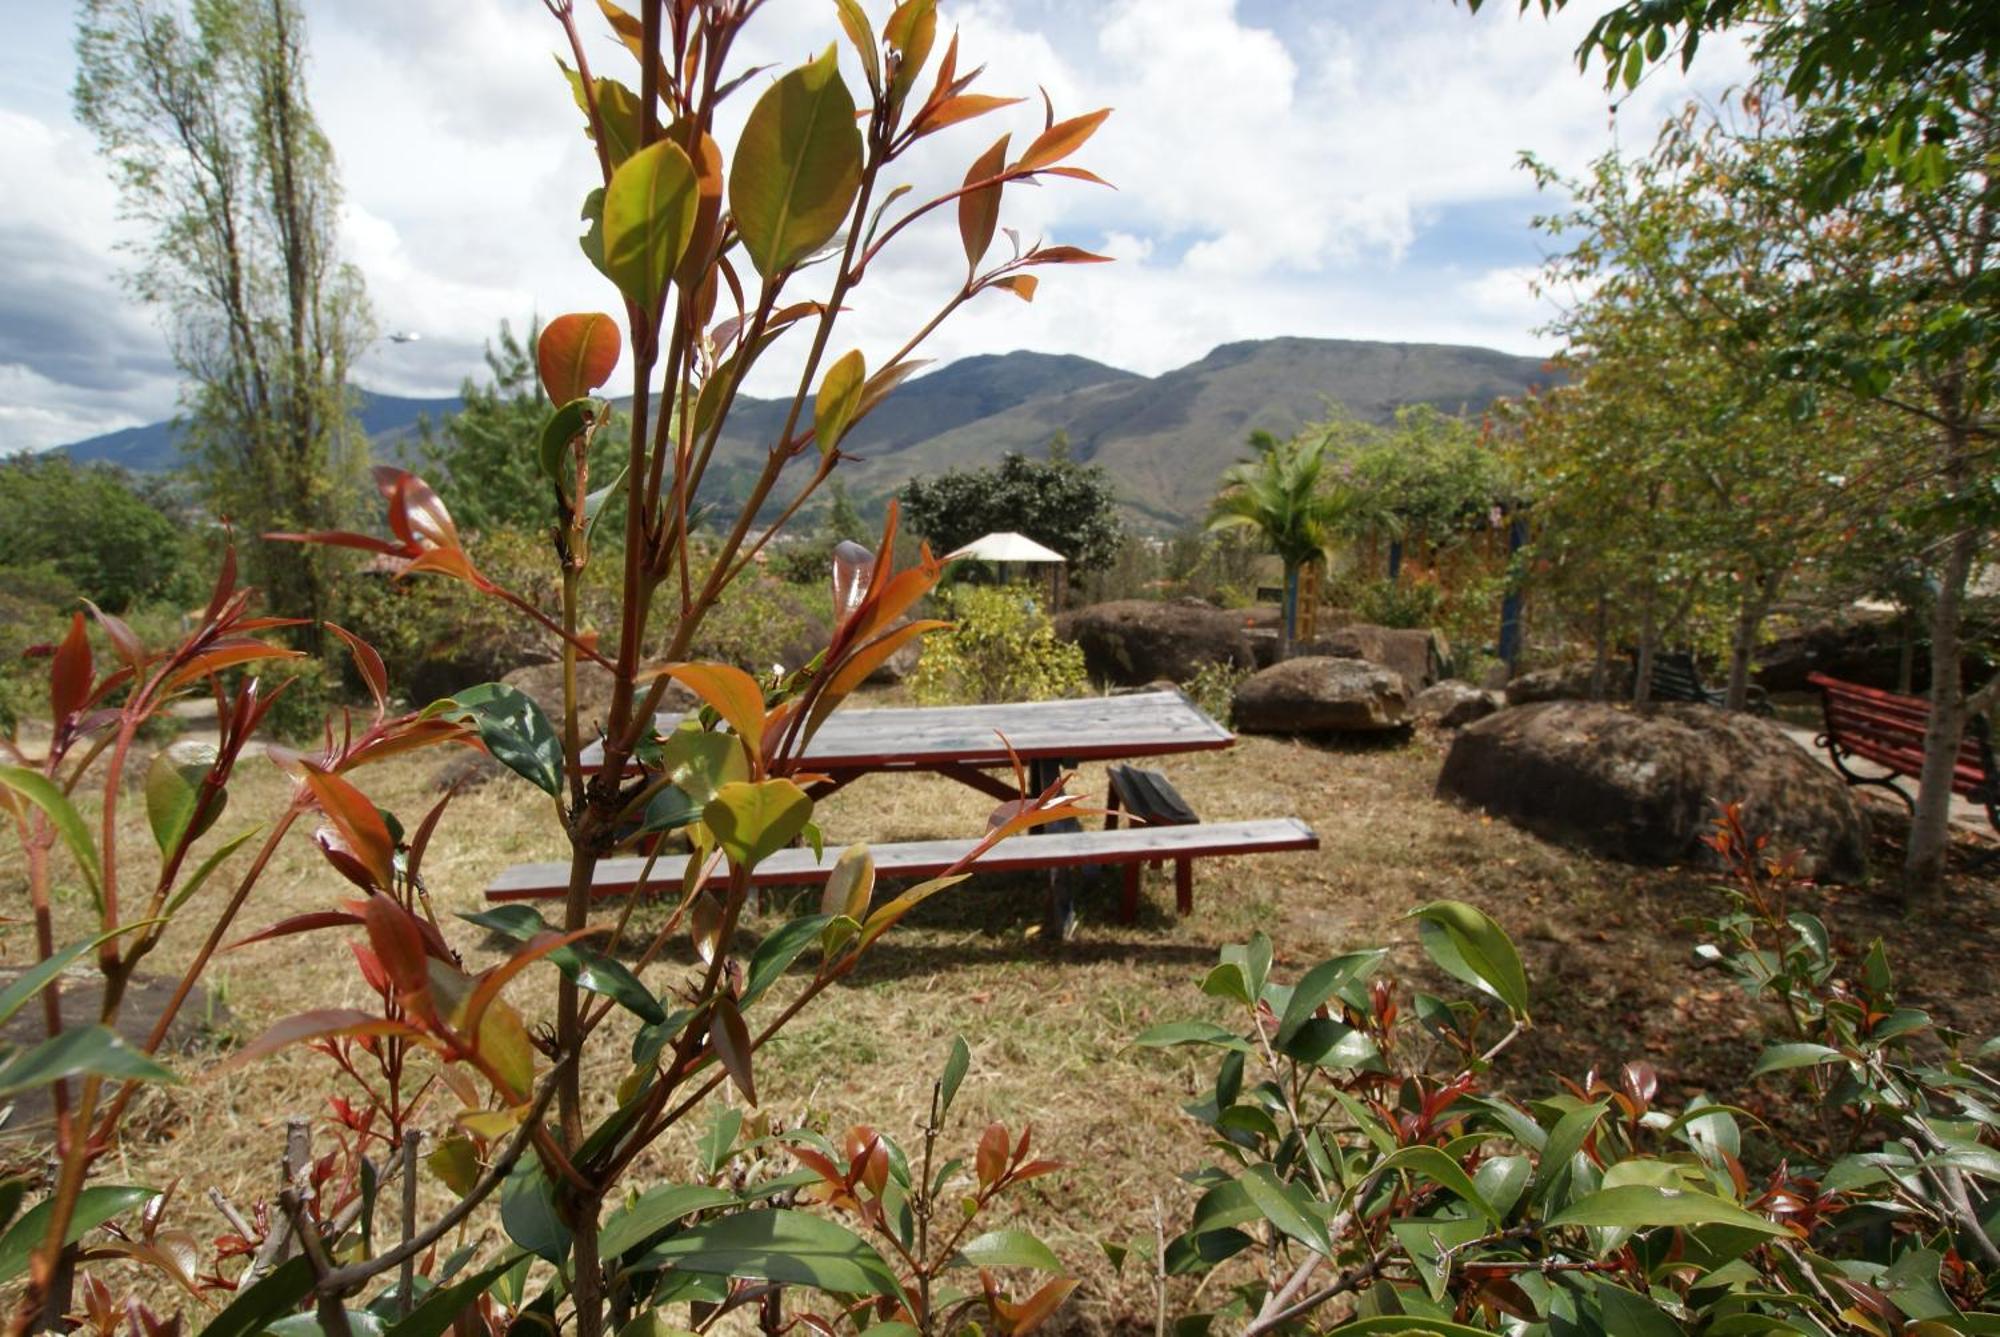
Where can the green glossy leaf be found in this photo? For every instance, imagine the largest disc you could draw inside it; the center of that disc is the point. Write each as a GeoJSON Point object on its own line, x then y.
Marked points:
{"type": "Point", "coordinates": [655, 1210]}
{"type": "Point", "coordinates": [514, 730]}
{"type": "Point", "coordinates": [955, 1066]}
{"type": "Point", "coordinates": [649, 215]}
{"type": "Point", "coordinates": [1332, 1045]}
{"type": "Point", "coordinates": [271, 1297]}
{"type": "Point", "coordinates": [191, 885]}
{"type": "Point", "coordinates": [592, 971]}
{"type": "Point", "coordinates": [38, 790]}
{"type": "Point", "coordinates": [797, 167]}
{"type": "Point", "coordinates": [776, 1244]}
{"type": "Point", "coordinates": [563, 427]}
{"type": "Point", "coordinates": [433, 1315]}
{"type": "Point", "coordinates": [95, 1205]}
{"type": "Point", "coordinates": [1564, 1141]}
{"type": "Point", "coordinates": [1227, 980]}
{"type": "Point", "coordinates": [699, 762]}
{"type": "Point", "coordinates": [1440, 1169]}
{"type": "Point", "coordinates": [173, 788]}
{"type": "Point", "coordinates": [774, 955]}
{"type": "Point", "coordinates": [752, 822]}
{"type": "Point", "coordinates": [839, 395]}
{"type": "Point", "coordinates": [1469, 946]}
{"type": "Point", "coordinates": [528, 1211]}
{"type": "Point", "coordinates": [36, 977]}
{"type": "Point", "coordinates": [79, 1051]}
{"type": "Point", "coordinates": [1170, 1033]}
{"type": "Point", "coordinates": [1646, 1206]}
{"type": "Point", "coordinates": [1009, 1248]}
{"type": "Point", "coordinates": [719, 1141]}
{"type": "Point", "coordinates": [1286, 1206]}
{"type": "Point", "coordinates": [1781, 1058]}
{"type": "Point", "coordinates": [1320, 983]}
{"type": "Point", "coordinates": [1501, 1180]}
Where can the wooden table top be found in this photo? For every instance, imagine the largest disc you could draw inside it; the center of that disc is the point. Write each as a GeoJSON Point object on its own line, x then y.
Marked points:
{"type": "Point", "coordinates": [1142, 724]}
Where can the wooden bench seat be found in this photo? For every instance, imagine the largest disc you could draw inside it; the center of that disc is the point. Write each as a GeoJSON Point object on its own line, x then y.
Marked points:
{"type": "Point", "coordinates": [1676, 677]}
{"type": "Point", "coordinates": [928, 858]}
{"type": "Point", "coordinates": [1149, 800]}
{"type": "Point", "coordinates": [1887, 729]}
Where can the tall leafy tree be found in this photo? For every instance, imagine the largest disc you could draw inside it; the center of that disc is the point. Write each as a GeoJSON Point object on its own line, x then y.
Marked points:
{"type": "Point", "coordinates": [1057, 502]}
{"type": "Point", "coordinates": [89, 525]}
{"type": "Point", "coordinates": [202, 111]}
{"type": "Point", "coordinates": [1278, 496]}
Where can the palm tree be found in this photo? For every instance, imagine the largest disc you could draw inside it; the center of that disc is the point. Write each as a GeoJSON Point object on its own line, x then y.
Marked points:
{"type": "Point", "coordinates": [1279, 495]}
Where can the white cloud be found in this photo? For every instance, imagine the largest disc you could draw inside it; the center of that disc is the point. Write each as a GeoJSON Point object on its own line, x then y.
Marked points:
{"type": "Point", "coordinates": [1313, 178]}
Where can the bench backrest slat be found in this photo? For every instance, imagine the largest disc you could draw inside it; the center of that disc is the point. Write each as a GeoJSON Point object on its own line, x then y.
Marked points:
{"type": "Point", "coordinates": [1888, 728]}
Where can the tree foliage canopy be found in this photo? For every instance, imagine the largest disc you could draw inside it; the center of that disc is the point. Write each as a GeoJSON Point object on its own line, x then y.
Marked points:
{"type": "Point", "coordinates": [90, 525]}
{"type": "Point", "coordinates": [1057, 502]}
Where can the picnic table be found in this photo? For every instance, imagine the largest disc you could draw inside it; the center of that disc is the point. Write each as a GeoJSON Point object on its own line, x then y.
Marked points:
{"type": "Point", "coordinates": [965, 743]}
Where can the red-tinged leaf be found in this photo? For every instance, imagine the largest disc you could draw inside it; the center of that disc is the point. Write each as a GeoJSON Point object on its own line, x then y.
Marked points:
{"type": "Point", "coordinates": [1036, 1169]}
{"type": "Point", "coordinates": [705, 925]}
{"type": "Point", "coordinates": [885, 917]}
{"type": "Point", "coordinates": [448, 562]}
{"type": "Point", "coordinates": [123, 640]}
{"type": "Point", "coordinates": [227, 654]}
{"type": "Point", "coordinates": [979, 210]}
{"type": "Point", "coordinates": [69, 675]}
{"type": "Point", "coordinates": [855, 668]}
{"type": "Point", "coordinates": [305, 923]}
{"type": "Point", "coordinates": [399, 946]}
{"type": "Point", "coordinates": [882, 382]}
{"type": "Point", "coordinates": [1078, 174]}
{"type": "Point", "coordinates": [991, 1159]}
{"type": "Point", "coordinates": [733, 693]}
{"type": "Point", "coordinates": [576, 354]}
{"type": "Point", "coordinates": [854, 20]}
{"type": "Point", "coordinates": [731, 1041]}
{"type": "Point", "coordinates": [407, 737]}
{"type": "Point", "coordinates": [1025, 1317]}
{"type": "Point", "coordinates": [710, 181]}
{"type": "Point", "coordinates": [338, 853]}
{"type": "Point", "coordinates": [341, 538]}
{"type": "Point", "coordinates": [371, 967]}
{"type": "Point", "coordinates": [1061, 139]}
{"type": "Point", "coordinates": [1021, 1147]}
{"type": "Point", "coordinates": [225, 584]}
{"type": "Point", "coordinates": [1064, 255]}
{"type": "Point", "coordinates": [853, 565]}
{"type": "Point", "coordinates": [324, 1024]}
{"type": "Point", "coordinates": [358, 822]}
{"type": "Point", "coordinates": [416, 513]}
{"type": "Point", "coordinates": [911, 29]}
{"type": "Point", "coordinates": [491, 982]}
{"type": "Point", "coordinates": [964, 107]}
{"type": "Point", "coordinates": [819, 1165]}
{"type": "Point", "coordinates": [421, 841]}
{"type": "Point", "coordinates": [1021, 285]}
{"type": "Point", "coordinates": [369, 662]}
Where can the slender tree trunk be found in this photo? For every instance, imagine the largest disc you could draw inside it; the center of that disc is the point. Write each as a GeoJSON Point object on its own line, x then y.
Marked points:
{"type": "Point", "coordinates": [1906, 651]}
{"type": "Point", "coordinates": [1642, 666]}
{"type": "Point", "coordinates": [1750, 615]}
{"type": "Point", "coordinates": [1600, 633]}
{"type": "Point", "coordinates": [1288, 613]}
{"type": "Point", "coordinates": [1930, 825]}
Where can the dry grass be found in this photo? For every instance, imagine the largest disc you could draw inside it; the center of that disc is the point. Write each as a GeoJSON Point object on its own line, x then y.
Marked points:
{"type": "Point", "coordinates": [1050, 1023]}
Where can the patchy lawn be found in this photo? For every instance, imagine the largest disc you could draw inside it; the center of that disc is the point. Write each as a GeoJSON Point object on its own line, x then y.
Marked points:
{"type": "Point", "coordinates": [1049, 1023]}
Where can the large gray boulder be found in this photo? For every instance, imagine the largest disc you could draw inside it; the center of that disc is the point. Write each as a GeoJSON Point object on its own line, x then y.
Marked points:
{"type": "Point", "coordinates": [1319, 694]}
{"type": "Point", "coordinates": [1418, 653]}
{"type": "Point", "coordinates": [1453, 704]}
{"type": "Point", "coordinates": [1127, 642]}
{"type": "Point", "coordinates": [1643, 785]}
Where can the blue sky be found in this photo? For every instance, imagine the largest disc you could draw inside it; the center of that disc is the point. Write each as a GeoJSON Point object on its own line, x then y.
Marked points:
{"type": "Point", "coordinates": [1332, 168]}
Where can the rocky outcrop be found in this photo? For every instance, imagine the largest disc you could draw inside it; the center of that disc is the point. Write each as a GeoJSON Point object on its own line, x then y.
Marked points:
{"type": "Point", "coordinates": [1570, 682]}
{"type": "Point", "coordinates": [1643, 785]}
{"type": "Point", "coordinates": [1130, 641]}
{"type": "Point", "coordinates": [1418, 653]}
{"type": "Point", "coordinates": [1319, 694]}
{"type": "Point", "coordinates": [1453, 704]}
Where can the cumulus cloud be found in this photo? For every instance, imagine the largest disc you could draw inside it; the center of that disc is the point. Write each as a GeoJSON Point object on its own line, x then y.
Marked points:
{"type": "Point", "coordinates": [1281, 169]}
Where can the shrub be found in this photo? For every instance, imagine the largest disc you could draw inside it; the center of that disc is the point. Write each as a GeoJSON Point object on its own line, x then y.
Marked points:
{"type": "Point", "coordinates": [536, 1135]}
{"type": "Point", "coordinates": [1001, 647]}
{"type": "Point", "coordinates": [1371, 1164]}
{"type": "Point", "coordinates": [1213, 688]}
{"type": "Point", "coordinates": [1399, 603]}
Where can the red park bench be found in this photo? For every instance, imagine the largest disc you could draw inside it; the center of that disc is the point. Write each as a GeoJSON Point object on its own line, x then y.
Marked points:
{"type": "Point", "coordinates": [1887, 729]}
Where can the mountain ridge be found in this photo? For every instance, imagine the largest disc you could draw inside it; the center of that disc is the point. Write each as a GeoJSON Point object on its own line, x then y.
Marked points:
{"type": "Point", "coordinates": [1164, 439]}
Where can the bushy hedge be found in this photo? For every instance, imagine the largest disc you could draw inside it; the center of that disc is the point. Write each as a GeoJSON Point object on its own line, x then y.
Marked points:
{"type": "Point", "coordinates": [1002, 647]}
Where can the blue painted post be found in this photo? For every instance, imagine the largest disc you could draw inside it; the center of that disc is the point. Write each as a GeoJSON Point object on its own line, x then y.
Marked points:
{"type": "Point", "coordinates": [1395, 560]}
{"type": "Point", "coordinates": [1510, 607]}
